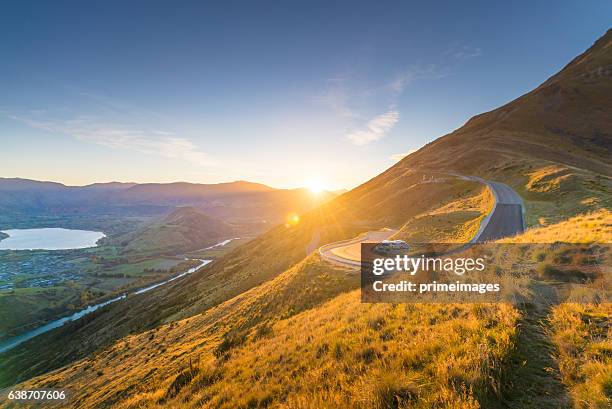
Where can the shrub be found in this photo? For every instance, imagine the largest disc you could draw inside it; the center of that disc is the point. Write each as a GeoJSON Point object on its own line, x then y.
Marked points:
{"type": "Point", "coordinates": [230, 341]}
{"type": "Point", "coordinates": [392, 392]}
{"type": "Point", "coordinates": [368, 355]}
{"type": "Point", "coordinates": [181, 380]}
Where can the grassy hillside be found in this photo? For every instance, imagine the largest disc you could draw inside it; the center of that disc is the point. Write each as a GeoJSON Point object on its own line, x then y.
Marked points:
{"type": "Point", "coordinates": [454, 222]}
{"type": "Point", "coordinates": [246, 267]}
{"type": "Point", "coordinates": [185, 229]}
{"type": "Point", "coordinates": [592, 227]}
{"type": "Point", "coordinates": [561, 351]}
{"type": "Point", "coordinates": [582, 335]}
{"type": "Point", "coordinates": [553, 145]}
{"type": "Point", "coordinates": [301, 339]}
{"type": "Point", "coordinates": [369, 207]}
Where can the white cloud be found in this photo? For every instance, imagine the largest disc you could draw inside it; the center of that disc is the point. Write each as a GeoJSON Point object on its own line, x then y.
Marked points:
{"type": "Point", "coordinates": [396, 157]}
{"type": "Point", "coordinates": [375, 129]}
{"type": "Point", "coordinates": [151, 142]}
{"type": "Point", "coordinates": [353, 104]}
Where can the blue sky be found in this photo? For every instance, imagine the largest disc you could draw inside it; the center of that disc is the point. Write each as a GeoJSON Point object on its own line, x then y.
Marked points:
{"type": "Point", "coordinates": [283, 93]}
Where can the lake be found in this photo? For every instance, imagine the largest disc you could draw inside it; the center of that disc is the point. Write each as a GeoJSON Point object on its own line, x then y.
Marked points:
{"type": "Point", "coordinates": [49, 239]}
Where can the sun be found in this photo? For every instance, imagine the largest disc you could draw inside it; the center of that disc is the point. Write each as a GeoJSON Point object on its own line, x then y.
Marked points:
{"type": "Point", "coordinates": [315, 186]}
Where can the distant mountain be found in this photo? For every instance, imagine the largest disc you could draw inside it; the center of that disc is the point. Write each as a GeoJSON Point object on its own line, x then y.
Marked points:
{"type": "Point", "coordinates": [108, 186]}
{"type": "Point", "coordinates": [238, 201]}
{"type": "Point", "coordinates": [183, 230]}
{"type": "Point", "coordinates": [18, 184]}
{"type": "Point", "coordinates": [181, 192]}
{"type": "Point", "coordinates": [23, 201]}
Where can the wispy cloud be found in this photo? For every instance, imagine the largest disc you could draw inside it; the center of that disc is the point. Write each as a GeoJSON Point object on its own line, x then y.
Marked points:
{"type": "Point", "coordinates": [468, 52]}
{"type": "Point", "coordinates": [375, 129]}
{"type": "Point", "coordinates": [120, 136]}
{"type": "Point", "coordinates": [336, 97]}
{"type": "Point", "coordinates": [396, 157]}
{"type": "Point", "coordinates": [463, 52]}
{"type": "Point", "coordinates": [414, 73]}
{"type": "Point", "coordinates": [354, 104]}
{"type": "Point", "coordinates": [401, 81]}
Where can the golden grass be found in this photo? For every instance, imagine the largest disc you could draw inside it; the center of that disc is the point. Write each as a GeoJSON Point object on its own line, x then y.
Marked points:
{"type": "Point", "coordinates": [594, 227]}
{"type": "Point", "coordinates": [283, 345]}
{"type": "Point", "coordinates": [553, 193]}
{"type": "Point", "coordinates": [548, 178]}
{"type": "Point", "coordinates": [345, 354]}
{"type": "Point", "coordinates": [582, 335]}
{"type": "Point", "coordinates": [300, 340]}
{"type": "Point", "coordinates": [455, 222]}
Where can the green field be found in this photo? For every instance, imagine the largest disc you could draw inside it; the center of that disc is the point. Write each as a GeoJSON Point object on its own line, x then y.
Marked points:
{"type": "Point", "coordinates": [27, 308]}
{"type": "Point", "coordinates": [45, 285]}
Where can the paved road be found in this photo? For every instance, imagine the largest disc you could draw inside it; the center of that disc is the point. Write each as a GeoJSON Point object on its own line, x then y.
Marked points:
{"type": "Point", "coordinates": [506, 219]}
{"type": "Point", "coordinates": [348, 252]}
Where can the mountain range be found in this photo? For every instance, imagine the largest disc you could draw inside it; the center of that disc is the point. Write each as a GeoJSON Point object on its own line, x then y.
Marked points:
{"type": "Point", "coordinates": [238, 201]}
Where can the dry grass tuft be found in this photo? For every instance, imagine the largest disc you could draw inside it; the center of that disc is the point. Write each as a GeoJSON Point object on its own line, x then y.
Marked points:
{"type": "Point", "coordinates": [582, 335]}
{"type": "Point", "coordinates": [594, 227]}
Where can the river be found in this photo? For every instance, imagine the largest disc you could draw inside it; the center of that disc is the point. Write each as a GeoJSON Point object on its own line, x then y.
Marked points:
{"type": "Point", "coordinates": [18, 339]}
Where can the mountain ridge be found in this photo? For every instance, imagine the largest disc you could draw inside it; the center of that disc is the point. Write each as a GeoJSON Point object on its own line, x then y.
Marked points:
{"type": "Point", "coordinates": [25, 181]}
{"type": "Point", "coordinates": [239, 201]}
{"type": "Point", "coordinates": [544, 111]}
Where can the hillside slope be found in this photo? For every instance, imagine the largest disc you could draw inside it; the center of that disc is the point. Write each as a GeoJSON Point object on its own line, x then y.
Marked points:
{"type": "Point", "coordinates": [304, 340]}
{"type": "Point", "coordinates": [553, 144]}
{"type": "Point", "coordinates": [183, 230]}
{"type": "Point", "coordinates": [250, 265]}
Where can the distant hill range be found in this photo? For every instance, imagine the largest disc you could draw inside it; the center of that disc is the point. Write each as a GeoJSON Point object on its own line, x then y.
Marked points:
{"type": "Point", "coordinates": [235, 201]}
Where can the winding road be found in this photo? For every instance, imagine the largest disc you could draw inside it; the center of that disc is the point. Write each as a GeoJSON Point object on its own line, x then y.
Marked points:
{"type": "Point", "coordinates": [505, 219]}
{"type": "Point", "coordinates": [348, 252]}
{"type": "Point", "coordinates": [507, 216]}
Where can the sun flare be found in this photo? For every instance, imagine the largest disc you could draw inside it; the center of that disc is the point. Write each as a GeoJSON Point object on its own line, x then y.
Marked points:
{"type": "Point", "coordinates": [315, 186]}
